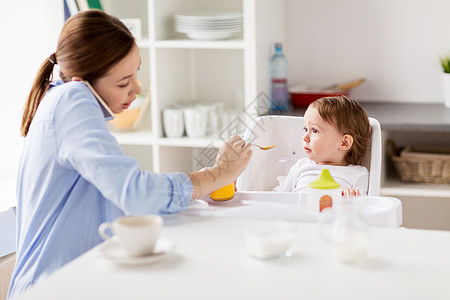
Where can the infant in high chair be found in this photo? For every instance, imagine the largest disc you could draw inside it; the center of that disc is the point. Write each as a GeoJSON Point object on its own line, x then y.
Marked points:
{"type": "Point", "coordinates": [336, 137]}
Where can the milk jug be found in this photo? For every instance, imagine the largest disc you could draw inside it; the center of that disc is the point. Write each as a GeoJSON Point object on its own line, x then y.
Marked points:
{"type": "Point", "coordinates": [348, 234]}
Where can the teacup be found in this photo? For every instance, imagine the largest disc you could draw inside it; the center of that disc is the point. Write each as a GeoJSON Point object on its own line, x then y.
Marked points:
{"type": "Point", "coordinates": [136, 234]}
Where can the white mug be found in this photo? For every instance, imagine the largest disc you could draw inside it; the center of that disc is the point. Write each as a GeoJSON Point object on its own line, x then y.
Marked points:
{"type": "Point", "coordinates": [196, 121]}
{"type": "Point", "coordinates": [136, 234]}
{"type": "Point", "coordinates": [173, 121]}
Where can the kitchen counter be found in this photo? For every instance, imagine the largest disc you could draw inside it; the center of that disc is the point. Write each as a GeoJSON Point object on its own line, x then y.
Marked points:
{"type": "Point", "coordinates": [434, 117]}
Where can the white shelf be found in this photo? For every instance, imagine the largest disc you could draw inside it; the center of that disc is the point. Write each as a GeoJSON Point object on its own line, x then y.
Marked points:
{"type": "Point", "coordinates": [144, 43]}
{"type": "Point", "coordinates": [190, 142]}
{"type": "Point", "coordinates": [138, 138]}
{"type": "Point", "coordinates": [395, 187]}
{"type": "Point", "coordinates": [192, 44]}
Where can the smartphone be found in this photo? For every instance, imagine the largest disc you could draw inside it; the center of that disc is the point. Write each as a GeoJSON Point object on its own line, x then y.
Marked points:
{"type": "Point", "coordinates": [107, 112]}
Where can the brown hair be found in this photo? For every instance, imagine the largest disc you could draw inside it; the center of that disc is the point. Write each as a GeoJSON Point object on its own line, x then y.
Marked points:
{"type": "Point", "coordinates": [349, 117]}
{"type": "Point", "coordinates": [90, 43]}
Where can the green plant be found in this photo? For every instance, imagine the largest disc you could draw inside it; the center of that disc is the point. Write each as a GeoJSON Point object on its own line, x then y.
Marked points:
{"type": "Point", "coordinates": [445, 63]}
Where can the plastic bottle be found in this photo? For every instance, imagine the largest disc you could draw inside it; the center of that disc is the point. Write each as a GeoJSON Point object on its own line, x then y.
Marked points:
{"type": "Point", "coordinates": [278, 77]}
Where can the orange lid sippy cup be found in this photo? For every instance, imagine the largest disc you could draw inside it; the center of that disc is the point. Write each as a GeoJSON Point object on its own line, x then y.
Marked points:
{"type": "Point", "coordinates": [224, 193]}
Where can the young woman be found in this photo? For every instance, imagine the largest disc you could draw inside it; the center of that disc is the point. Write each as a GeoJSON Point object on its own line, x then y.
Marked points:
{"type": "Point", "coordinates": [73, 175]}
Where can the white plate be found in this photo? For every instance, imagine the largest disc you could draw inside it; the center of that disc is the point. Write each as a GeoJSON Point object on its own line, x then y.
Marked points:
{"type": "Point", "coordinates": [209, 16]}
{"type": "Point", "coordinates": [112, 251]}
{"type": "Point", "coordinates": [210, 36]}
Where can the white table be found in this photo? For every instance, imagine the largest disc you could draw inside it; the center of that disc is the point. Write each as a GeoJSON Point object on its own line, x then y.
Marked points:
{"type": "Point", "coordinates": [209, 262]}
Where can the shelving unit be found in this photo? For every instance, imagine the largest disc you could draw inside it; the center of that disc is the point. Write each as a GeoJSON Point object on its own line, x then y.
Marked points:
{"type": "Point", "coordinates": [391, 184]}
{"type": "Point", "coordinates": [401, 189]}
{"type": "Point", "coordinates": [176, 69]}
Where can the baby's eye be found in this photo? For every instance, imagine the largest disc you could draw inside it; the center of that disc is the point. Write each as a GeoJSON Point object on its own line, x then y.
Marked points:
{"type": "Point", "coordinates": [305, 129]}
{"type": "Point", "coordinates": [315, 130]}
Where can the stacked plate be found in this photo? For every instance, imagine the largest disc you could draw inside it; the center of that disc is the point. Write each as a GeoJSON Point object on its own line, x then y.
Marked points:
{"type": "Point", "coordinates": [208, 26]}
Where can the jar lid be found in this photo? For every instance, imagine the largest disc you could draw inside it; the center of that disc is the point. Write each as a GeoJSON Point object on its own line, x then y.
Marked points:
{"type": "Point", "coordinates": [325, 181]}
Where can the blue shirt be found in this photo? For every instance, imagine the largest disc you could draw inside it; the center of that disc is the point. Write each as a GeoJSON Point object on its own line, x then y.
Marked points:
{"type": "Point", "coordinates": [72, 177]}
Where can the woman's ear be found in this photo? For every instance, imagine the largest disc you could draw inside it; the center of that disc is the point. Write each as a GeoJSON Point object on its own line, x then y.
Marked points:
{"type": "Point", "coordinates": [347, 142]}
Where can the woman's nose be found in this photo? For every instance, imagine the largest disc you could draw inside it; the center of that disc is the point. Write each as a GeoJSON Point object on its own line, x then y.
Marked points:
{"type": "Point", "coordinates": [137, 88]}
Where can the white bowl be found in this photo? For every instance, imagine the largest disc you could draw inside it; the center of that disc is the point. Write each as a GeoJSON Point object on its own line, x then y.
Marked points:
{"type": "Point", "coordinates": [269, 239]}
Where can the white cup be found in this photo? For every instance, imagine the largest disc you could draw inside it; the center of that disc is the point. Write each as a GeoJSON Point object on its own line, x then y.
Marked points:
{"type": "Point", "coordinates": [318, 199]}
{"type": "Point", "coordinates": [196, 121]}
{"type": "Point", "coordinates": [136, 234]}
{"type": "Point", "coordinates": [215, 117]}
{"type": "Point", "coordinates": [173, 121]}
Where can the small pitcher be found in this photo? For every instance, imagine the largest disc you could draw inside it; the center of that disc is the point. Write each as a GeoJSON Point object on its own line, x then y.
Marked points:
{"type": "Point", "coordinates": [348, 233]}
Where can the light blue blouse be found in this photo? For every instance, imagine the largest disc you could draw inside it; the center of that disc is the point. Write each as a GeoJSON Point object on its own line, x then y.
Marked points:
{"type": "Point", "coordinates": [73, 176]}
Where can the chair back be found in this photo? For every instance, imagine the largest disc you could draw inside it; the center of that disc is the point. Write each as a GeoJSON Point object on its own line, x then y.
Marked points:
{"type": "Point", "coordinates": [286, 132]}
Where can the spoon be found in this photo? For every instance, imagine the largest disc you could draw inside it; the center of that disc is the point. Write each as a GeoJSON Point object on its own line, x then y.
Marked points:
{"type": "Point", "coordinates": [264, 148]}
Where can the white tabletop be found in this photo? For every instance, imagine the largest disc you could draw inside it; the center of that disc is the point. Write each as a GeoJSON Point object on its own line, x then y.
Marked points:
{"type": "Point", "coordinates": [209, 262]}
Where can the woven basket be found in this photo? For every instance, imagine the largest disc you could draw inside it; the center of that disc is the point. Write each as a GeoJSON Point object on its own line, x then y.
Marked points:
{"type": "Point", "coordinates": [421, 164]}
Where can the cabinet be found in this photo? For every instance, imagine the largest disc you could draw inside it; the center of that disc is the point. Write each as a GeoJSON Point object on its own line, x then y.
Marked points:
{"type": "Point", "coordinates": [176, 69]}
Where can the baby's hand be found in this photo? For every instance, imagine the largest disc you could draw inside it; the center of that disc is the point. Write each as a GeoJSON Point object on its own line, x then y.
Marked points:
{"type": "Point", "coordinates": [350, 192]}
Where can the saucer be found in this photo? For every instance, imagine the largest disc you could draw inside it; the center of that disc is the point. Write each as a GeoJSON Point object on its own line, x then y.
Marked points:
{"type": "Point", "coordinates": [115, 253]}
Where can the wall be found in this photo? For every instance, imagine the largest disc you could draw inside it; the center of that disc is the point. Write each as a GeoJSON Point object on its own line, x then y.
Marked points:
{"type": "Point", "coordinates": [29, 31]}
{"type": "Point", "coordinates": [394, 44]}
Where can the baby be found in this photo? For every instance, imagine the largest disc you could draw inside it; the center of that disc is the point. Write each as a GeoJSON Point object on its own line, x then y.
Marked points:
{"type": "Point", "coordinates": [336, 137]}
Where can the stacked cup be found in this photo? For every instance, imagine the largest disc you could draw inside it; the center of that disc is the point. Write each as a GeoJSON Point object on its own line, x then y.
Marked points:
{"type": "Point", "coordinates": [198, 119]}
{"type": "Point", "coordinates": [173, 121]}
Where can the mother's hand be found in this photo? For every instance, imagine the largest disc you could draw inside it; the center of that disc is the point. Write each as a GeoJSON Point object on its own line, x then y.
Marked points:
{"type": "Point", "coordinates": [232, 159]}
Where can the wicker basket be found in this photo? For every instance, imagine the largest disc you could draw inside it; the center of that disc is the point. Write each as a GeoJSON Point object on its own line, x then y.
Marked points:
{"type": "Point", "coordinates": [421, 164]}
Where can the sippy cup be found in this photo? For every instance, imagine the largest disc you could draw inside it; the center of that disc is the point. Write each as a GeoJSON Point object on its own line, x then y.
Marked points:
{"type": "Point", "coordinates": [321, 193]}
{"type": "Point", "coordinates": [224, 193]}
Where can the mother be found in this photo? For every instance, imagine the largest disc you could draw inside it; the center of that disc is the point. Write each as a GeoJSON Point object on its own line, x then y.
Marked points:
{"type": "Point", "coordinates": [73, 176]}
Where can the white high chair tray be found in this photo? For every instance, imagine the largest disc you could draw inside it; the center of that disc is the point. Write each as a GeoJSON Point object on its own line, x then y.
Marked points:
{"type": "Point", "coordinates": [377, 211]}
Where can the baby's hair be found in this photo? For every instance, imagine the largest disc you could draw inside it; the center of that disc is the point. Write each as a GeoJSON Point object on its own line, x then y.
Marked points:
{"type": "Point", "coordinates": [349, 117]}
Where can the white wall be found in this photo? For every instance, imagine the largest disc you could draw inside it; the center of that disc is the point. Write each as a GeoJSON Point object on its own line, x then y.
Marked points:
{"type": "Point", "coordinates": [29, 32]}
{"type": "Point", "coordinates": [394, 44]}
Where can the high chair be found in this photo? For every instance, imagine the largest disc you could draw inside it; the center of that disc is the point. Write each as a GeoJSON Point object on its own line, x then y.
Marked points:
{"type": "Point", "coordinates": [7, 248]}
{"type": "Point", "coordinates": [267, 168]}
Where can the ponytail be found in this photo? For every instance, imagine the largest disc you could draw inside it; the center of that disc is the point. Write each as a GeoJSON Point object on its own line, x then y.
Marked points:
{"type": "Point", "coordinates": [90, 43]}
{"type": "Point", "coordinates": [40, 86]}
